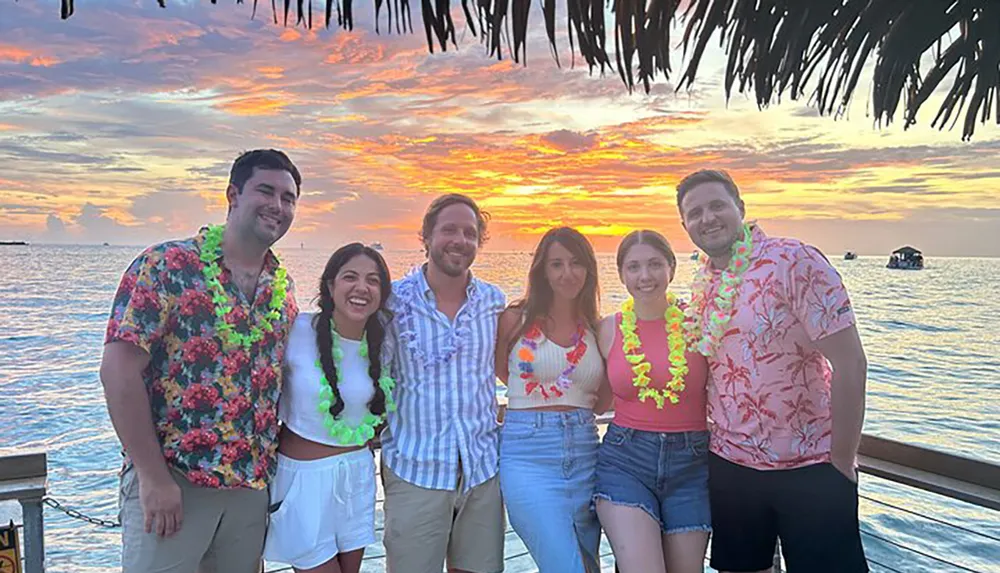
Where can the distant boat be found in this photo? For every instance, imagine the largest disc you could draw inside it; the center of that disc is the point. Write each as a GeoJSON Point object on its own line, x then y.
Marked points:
{"type": "Point", "coordinates": [906, 258]}
{"type": "Point", "coordinates": [695, 255]}
{"type": "Point", "coordinates": [13, 243]}
{"type": "Point", "coordinates": [377, 246]}
{"type": "Point", "coordinates": [107, 245]}
{"type": "Point", "coordinates": [850, 256]}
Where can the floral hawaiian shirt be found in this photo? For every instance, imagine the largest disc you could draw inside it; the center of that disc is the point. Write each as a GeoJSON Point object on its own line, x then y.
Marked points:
{"type": "Point", "coordinates": [769, 394]}
{"type": "Point", "coordinates": [214, 405]}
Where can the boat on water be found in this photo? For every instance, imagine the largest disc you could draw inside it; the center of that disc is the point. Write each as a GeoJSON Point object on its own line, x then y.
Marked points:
{"type": "Point", "coordinates": [906, 258]}
{"type": "Point", "coordinates": [850, 256]}
{"type": "Point", "coordinates": [13, 243]}
{"type": "Point", "coordinates": [377, 246]}
{"type": "Point", "coordinates": [695, 255]}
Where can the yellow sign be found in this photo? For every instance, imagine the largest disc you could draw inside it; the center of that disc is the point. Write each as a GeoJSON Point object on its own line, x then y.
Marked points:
{"type": "Point", "coordinates": [10, 558]}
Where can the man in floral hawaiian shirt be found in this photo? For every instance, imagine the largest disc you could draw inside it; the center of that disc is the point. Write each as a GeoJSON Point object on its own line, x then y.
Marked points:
{"type": "Point", "coordinates": [787, 394]}
{"type": "Point", "coordinates": [191, 373]}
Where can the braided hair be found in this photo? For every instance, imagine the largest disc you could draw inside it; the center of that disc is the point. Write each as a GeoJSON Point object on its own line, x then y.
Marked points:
{"type": "Point", "coordinates": [374, 331]}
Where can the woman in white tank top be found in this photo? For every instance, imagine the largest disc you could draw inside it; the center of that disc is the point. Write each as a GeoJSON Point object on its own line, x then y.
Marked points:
{"type": "Point", "coordinates": [548, 357]}
{"type": "Point", "coordinates": [335, 396]}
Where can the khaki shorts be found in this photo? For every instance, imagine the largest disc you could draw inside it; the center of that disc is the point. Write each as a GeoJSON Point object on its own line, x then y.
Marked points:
{"type": "Point", "coordinates": [223, 530]}
{"type": "Point", "coordinates": [423, 526]}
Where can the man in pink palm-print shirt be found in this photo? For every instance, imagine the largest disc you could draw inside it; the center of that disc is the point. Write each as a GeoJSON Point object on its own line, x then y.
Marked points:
{"type": "Point", "coordinates": [786, 396]}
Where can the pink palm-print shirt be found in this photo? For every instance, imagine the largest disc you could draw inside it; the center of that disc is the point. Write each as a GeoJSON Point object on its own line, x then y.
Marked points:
{"type": "Point", "coordinates": [769, 392]}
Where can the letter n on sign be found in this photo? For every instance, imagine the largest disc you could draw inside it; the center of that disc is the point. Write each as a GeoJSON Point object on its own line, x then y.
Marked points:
{"type": "Point", "coordinates": [10, 558]}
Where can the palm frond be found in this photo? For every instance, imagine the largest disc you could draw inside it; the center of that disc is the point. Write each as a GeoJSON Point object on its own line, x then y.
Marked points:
{"type": "Point", "coordinates": [774, 47]}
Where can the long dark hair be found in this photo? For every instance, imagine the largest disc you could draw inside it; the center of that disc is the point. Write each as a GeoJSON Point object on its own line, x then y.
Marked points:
{"type": "Point", "coordinates": [538, 299]}
{"type": "Point", "coordinates": [374, 331]}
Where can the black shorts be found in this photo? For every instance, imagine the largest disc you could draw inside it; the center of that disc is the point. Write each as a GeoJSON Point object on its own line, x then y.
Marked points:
{"type": "Point", "coordinates": [813, 509]}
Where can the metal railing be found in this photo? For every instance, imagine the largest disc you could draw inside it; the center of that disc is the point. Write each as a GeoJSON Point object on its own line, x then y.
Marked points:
{"type": "Point", "coordinates": [23, 477]}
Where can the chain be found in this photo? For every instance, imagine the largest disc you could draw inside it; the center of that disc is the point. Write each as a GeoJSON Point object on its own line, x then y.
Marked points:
{"type": "Point", "coordinates": [77, 515]}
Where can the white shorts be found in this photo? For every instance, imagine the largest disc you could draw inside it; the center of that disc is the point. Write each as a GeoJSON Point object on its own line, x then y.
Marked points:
{"type": "Point", "coordinates": [327, 507]}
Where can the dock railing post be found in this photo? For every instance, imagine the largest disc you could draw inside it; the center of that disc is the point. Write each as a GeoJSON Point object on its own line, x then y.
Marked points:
{"type": "Point", "coordinates": [34, 535]}
{"type": "Point", "coordinates": [24, 477]}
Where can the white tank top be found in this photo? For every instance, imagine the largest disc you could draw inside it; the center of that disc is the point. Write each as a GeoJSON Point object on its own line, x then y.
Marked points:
{"type": "Point", "coordinates": [297, 407]}
{"type": "Point", "coordinates": [550, 360]}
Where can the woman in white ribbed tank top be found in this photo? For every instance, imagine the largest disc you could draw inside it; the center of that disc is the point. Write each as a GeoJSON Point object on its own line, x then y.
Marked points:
{"type": "Point", "coordinates": [335, 395]}
{"type": "Point", "coordinates": [548, 357]}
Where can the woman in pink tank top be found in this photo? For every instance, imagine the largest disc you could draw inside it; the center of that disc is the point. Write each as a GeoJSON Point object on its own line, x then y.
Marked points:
{"type": "Point", "coordinates": [652, 467]}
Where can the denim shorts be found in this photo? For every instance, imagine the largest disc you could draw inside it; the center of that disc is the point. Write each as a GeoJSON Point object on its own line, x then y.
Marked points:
{"type": "Point", "coordinates": [664, 474]}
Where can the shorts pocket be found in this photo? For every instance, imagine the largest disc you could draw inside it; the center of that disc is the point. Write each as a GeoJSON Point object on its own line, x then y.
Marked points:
{"type": "Point", "coordinates": [128, 484]}
{"type": "Point", "coordinates": [291, 534]}
{"type": "Point", "coordinates": [616, 435]}
{"type": "Point", "coordinates": [517, 430]}
{"type": "Point", "coordinates": [698, 444]}
{"type": "Point", "coordinates": [362, 477]}
{"type": "Point", "coordinates": [839, 476]}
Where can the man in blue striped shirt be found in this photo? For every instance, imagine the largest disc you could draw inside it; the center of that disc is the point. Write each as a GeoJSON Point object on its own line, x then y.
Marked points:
{"type": "Point", "coordinates": [439, 450]}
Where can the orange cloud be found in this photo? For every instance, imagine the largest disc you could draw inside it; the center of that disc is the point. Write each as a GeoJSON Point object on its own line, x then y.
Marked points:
{"type": "Point", "coordinates": [290, 35]}
{"type": "Point", "coordinates": [271, 72]}
{"type": "Point", "coordinates": [14, 54]}
{"type": "Point", "coordinates": [253, 106]}
{"type": "Point", "coordinates": [17, 55]}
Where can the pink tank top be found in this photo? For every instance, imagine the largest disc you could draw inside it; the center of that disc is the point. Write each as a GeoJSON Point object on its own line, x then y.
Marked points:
{"type": "Point", "coordinates": [685, 416]}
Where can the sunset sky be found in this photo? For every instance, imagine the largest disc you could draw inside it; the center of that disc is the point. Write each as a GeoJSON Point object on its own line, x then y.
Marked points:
{"type": "Point", "coordinates": [120, 125]}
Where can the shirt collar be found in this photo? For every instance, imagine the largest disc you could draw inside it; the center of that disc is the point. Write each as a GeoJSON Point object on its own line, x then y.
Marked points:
{"type": "Point", "coordinates": [471, 289]}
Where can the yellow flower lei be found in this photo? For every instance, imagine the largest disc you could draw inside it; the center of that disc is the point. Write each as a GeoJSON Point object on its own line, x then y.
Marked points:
{"type": "Point", "coordinates": [632, 348]}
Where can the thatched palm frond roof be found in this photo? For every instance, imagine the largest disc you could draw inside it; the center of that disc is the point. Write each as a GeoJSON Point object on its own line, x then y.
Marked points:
{"type": "Point", "coordinates": [774, 47]}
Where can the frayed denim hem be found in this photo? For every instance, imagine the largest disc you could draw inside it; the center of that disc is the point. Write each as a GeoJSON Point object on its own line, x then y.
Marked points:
{"type": "Point", "coordinates": [688, 529]}
{"type": "Point", "coordinates": [607, 498]}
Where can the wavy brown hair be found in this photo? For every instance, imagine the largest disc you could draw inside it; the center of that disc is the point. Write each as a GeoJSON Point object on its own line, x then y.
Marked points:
{"type": "Point", "coordinates": [538, 300]}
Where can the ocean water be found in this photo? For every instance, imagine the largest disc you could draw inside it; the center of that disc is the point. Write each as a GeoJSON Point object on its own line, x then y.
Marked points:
{"type": "Point", "coordinates": [931, 338]}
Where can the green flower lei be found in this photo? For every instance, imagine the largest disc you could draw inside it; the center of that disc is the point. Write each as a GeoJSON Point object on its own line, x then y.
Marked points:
{"type": "Point", "coordinates": [340, 430]}
{"type": "Point", "coordinates": [210, 251]}
{"type": "Point", "coordinates": [702, 339]}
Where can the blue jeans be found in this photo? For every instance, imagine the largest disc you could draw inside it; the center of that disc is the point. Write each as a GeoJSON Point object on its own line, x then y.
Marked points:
{"type": "Point", "coordinates": [547, 464]}
{"type": "Point", "coordinates": [664, 474]}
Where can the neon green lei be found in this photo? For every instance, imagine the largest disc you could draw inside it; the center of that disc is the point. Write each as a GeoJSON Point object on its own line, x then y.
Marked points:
{"type": "Point", "coordinates": [340, 430]}
{"type": "Point", "coordinates": [632, 348]}
{"type": "Point", "coordinates": [210, 251]}
{"type": "Point", "coordinates": [705, 340]}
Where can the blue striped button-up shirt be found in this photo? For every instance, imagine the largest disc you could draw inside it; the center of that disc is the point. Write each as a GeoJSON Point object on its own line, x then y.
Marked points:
{"type": "Point", "coordinates": [445, 386]}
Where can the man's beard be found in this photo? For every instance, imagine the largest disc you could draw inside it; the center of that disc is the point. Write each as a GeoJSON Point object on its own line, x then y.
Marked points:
{"type": "Point", "coordinates": [440, 259]}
